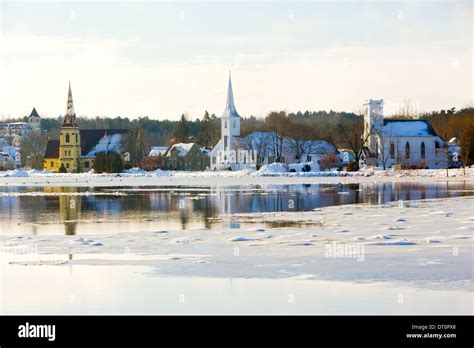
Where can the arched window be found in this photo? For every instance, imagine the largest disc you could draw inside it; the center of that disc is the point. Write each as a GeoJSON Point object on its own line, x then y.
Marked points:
{"type": "Point", "coordinates": [67, 137]}
{"type": "Point", "coordinates": [225, 124]}
{"type": "Point", "coordinates": [407, 151]}
{"type": "Point", "coordinates": [76, 137]}
{"type": "Point", "coordinates": [422, 150]}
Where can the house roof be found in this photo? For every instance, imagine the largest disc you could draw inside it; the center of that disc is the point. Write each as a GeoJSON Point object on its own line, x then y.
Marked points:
{"type": "Point", "coordinates": [181, 149]}
{"type": "Point", "coordinates": [34, 113]}
{"type": "Point", "coordinates": [52, 149]}
{"type": "Point", "coordinates": [409, 128]}
{"type": "Point", "coordinates": [92, 142]}
{"type": "Point", "coordinates": [156, 151]}
{"type": "Point", "coordinates": [255, 140]}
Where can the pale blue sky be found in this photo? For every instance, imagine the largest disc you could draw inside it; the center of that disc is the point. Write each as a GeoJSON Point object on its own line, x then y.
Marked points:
{"type": "Point", "coordinates": [162, 59]}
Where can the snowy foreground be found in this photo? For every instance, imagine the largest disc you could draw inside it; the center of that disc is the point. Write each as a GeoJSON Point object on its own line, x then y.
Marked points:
{"type": "Point", "coordinates": [273, 174]}
{"type": "Point", "coordinates": [425, 244]}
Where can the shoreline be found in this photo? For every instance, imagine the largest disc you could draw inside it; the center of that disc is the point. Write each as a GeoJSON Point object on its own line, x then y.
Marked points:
{"type": "Point", "coordinates": [161, 178]}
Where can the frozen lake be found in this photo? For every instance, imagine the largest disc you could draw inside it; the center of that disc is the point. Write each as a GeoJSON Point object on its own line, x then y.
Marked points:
{"type": "Point", "coordinates": [130, 290]}
{"type": "Point", "coordinates": [78, 210]}
{"type": "Point", "coordinates": [238, 250]}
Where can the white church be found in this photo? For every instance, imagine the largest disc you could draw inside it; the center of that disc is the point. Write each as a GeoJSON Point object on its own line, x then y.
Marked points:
{"type": "Point", "coordinates": [407, 143]}
{"type": "Point", "coordinates": [235, 152]}
{"type": "Point", "coordinates": [228, 153]}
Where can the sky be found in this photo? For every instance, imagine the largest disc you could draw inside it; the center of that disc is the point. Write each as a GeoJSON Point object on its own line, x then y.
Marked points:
{"type": "Point", "coordinates": [163, 59]}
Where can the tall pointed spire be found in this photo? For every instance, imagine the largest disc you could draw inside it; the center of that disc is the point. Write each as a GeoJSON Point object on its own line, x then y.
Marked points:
{"type": "Point", "coordinates": [70, 118]}
{"type": "Point", "coordinates": [230, 109]}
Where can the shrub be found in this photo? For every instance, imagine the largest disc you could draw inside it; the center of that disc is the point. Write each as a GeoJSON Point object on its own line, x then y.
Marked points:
{"type": "Point", "coordinates": [352, 167]}
{"type": "Point", "coordinates": [328, 160]}
{"type": "Point", "coordinates": [112, 163]}
{"type": "Point", "coordinates": [151, 163]}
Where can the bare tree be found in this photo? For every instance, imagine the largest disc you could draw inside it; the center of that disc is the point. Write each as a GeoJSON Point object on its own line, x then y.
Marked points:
{"type": "Point", "coordinates": [352, 134]}
{"type": "Point", "coordinates": [385, 144]}
{"type": "Point", "coordinates": [258, 144]}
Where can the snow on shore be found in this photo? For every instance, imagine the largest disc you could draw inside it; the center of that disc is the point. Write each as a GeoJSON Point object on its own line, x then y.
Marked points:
{"type": "Point", "coordinates": [427, 243]}
{"type": "Point", "coordinates": [267, 174]}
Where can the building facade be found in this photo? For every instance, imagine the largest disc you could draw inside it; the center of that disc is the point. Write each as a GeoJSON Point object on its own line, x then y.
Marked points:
{"type": "Point", "coordinates": [409, 143]}
{"type": "Point", "coordinates": [185, 156]}
{"type": "Point", "coordinates": [76, 148]}
{"type": "Point", "coordinates": [228, 152]}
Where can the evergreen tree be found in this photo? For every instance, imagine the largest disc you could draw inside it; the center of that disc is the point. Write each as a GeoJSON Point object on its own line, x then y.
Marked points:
{"type": "Point", "coordinates": [206, 131]}
{"type": "Point", "coordinates": [114, 163]}
{"type": "Point", "coordinates": [135, 144]}
{"type": "Point", "coordinates": [100, 163]}
{"type": "Point", "coordinates": [182, 133]}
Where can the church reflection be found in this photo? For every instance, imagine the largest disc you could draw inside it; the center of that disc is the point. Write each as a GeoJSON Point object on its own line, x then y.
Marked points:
{"type": "Point", "coordinates": [196, 208]}
{"type": "Point", "coordinates": [69, 207]}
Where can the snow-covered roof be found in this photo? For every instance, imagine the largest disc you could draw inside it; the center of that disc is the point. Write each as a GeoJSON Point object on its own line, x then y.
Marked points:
{"type": "Point", "coordinates": [256, 140]}
{"type": "Point", "coordinates": [9, 150]}
{"type": "Point", "coordinates": [181, 149]}
{"type": "Point", "coordinates": [158, 151]}
{"type": "Point", "coordinates": [205, 150]}
{"type": "Point", "coordinates": [408, 128]}
{"type": "Point", "coordinates": [112, 143]}
{"type": "Point", "coordinates": [453, 141]}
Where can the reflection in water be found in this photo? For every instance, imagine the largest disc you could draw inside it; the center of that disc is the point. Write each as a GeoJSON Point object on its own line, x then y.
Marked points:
{"type": "Point", "coordinates": [91, 210]}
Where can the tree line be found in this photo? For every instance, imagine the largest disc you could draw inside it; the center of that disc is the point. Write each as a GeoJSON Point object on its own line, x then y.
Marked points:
{"type": "Point", "coordinates": [343, 129]}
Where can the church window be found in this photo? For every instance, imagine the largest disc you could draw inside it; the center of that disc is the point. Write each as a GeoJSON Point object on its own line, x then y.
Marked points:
{"type": "Point", "coordinates": [392, 151]}
{"type": "Point", "coordinates": [76, 137]}
{"type": "Point", "coordinates": [225, 142]}
{"type": "Point", "coordinates": [422, 150]}
{"type": "Point", "coordinates": [225, 124]}
{"type": "Point", "coordinates": [407, 151]}
{"type": "Point", "coordinates": [52, 163]}
{"type": "Point", "coordinates": [67, 137]}
{"type": "Point", "coordinates": [233, 124]}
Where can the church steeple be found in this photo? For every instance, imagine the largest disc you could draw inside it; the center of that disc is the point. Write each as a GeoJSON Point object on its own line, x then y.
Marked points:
{"type": "Point", "coordinates": [230, 109]}
{"type": "Point", "coordinates": [70, 117]}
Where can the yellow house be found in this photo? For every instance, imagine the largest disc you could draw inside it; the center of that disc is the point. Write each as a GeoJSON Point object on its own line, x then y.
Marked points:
{"type": "Point", "coordinates": [76, 148]}
{"type": "Point", "coordinates": [51, 156]}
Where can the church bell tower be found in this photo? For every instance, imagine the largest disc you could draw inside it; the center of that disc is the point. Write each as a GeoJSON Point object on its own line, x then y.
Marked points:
{"type": "Point", "coordinates": [70, 139]}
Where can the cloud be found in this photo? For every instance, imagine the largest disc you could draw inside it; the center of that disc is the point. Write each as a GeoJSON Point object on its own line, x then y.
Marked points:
{"type": "Point", "coordinates": [110, 78]}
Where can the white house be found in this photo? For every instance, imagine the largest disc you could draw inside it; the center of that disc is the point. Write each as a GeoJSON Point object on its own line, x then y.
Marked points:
{"type": "Point", "coordinates": [409, 143]}
{"type": "Point", "coordinates": [9, 156]}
